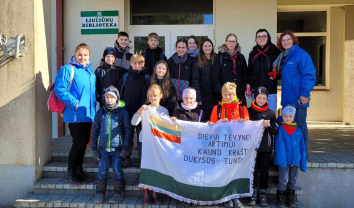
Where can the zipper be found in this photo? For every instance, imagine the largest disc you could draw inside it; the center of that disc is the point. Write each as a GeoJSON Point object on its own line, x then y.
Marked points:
{"type": "Point", "coordinates": [109, 132]}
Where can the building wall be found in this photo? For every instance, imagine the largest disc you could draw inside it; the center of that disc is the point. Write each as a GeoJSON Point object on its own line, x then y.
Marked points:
{"type": "Point", "coordinates": [348, 99]}
{"type": "Point", "coordinates": [72, 27]}
{"type": "Point", "coordinates": [25, 121]}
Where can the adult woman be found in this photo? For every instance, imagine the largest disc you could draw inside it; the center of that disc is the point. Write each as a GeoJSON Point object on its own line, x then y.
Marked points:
{"type": "Point", "coordinates": [180, 65]}
{"type": "Point", "coordinates": [161, 76]}
{"type": "Point", "coordinates": [202, 68]}
{"type": "Point", "coordinates": [230, 66]}
{"type": "Point", "coordinates": [260, 64]}
{"type": "Point", "coordinates": [298, 76]}
{"type": "Point", "coordinates": [80, 107]}
{"type": "Point", "coordinates": [192, 45]}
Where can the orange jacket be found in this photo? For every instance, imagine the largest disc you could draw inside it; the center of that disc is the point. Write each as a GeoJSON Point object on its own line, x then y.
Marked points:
{"type": "Point", "coordinates": [236, 113]}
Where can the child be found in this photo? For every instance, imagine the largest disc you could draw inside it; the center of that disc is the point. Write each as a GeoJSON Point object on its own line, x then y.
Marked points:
{"type": "Point", "coordinates": [161, 76]}
{"type": "Point", "coordinates": [192, 47]}
{"type": "Point", "coordinates": [230, 109]}
{"type": "Point", "coordinates": [153, 53]}
{"type": "Point", "coordinates": [189, 111]}
{"type": "Point", "coordinates": [260, 110]}
{"type": "Point", "coordinates": [154, 95]}
{"type": "Point", "coordinates": [111, 138]}
{"type": "Point", "coordinates": [122, 49]}
{"type": "Point", "coordinates": [289, 154]}
{"type": "Point", "coordinates": [180, 65]}
{"type": "Point", "coordinates": [108, 74]}
{"type": "Point", "coordinates": [131, 87]}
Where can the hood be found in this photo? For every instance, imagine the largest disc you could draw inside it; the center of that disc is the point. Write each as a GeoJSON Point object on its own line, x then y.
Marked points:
{"type": "Point", "coordinates": [223, 48]}
{"type": "Point", "coordinates": [120, 49]}
{"type": "Point", "coordinates": [112, 89]}
{"type": "Point", "coordinates": [73, 61]}
{"type": "Point", "coordinates": [143, 71]}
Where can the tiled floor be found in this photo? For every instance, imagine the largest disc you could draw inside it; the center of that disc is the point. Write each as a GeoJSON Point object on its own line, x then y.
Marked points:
{"type": "Point", "coordinates": [330, 146]}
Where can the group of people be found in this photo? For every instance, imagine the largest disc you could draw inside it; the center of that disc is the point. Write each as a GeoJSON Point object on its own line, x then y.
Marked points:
{"type": "Point", "coordinates": [194, 84]}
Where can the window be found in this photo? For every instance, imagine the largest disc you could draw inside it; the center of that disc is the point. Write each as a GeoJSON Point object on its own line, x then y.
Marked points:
{"type": "Point", "coordinates": [140, 44]}
{"type": "Point", "coordinates": [172, 12]}
{"type": "Point", "coordinates": [310, 27]}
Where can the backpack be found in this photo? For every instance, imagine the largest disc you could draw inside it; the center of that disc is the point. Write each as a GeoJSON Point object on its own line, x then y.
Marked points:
{"type": "Point", "coordinates": [218, 110]}
{"type": "Point", "coordinates": [54, 104]}
{"type": "Point", "coordinates": [125, 76]}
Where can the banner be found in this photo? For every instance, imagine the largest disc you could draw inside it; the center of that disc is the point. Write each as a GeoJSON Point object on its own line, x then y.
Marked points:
{"type": "Point", "coordinates": [99, 22]}
{"type": "Point", "coordinates": [198, 163]}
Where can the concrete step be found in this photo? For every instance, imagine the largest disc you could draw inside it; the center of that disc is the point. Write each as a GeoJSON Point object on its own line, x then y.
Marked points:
{"type": "Point", "coordinates": [32, 200]}
{"type": "Point", "coordinates": [59, 169]}
{"type": "Point", "coordinates": [59, 186]}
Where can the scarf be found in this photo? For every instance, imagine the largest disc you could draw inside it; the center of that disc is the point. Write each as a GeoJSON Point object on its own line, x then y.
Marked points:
{"type": "Point", "coordinates": [233, 58]}
{"type": "Point", "coordinates": [277, 64]}
{"type": "Point", "coordinates": [261, 53]}
{"type": "Point", "coordinates": [194, 53]}
{"type": "Point", "coordinates": [179, 60]}
{"type": "Point", "coordinates": [257, 108]}
{"type": "Point", "coordinates": [189, 108]}
{"type": "Point", "coordinates": [289, 127]}
{"type": "Point", "coordinates": [110, 107]}
{"type": "Point", "coordinates": [230, 106]}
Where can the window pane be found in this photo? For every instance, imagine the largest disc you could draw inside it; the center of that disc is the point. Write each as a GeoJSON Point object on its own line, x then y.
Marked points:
{"type": "Point", "coordinates": [199, 38]}
{"type": "Point", "coordinates": [316, 47]}
{"type": "Point", "coordinates": [302, 21]}
{"type": "Point", "coordinates": [173, 12]}
{"type": "Point", "coordinates": [140, 44]}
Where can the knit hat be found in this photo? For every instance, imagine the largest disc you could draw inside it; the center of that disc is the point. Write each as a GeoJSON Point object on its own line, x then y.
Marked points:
{"type": "Point", "coordinates": [111, 90]}
{"type": "Point", "coordinates": [260, 90]}
{"type": "Point", "coordinates": [229, 87]}
{"type": "Point", "coordinates": [289, 109]}
{"type": "Point", "coordinates": [109, 50]}
{"type": "Point", "coordinates": [191, 91]}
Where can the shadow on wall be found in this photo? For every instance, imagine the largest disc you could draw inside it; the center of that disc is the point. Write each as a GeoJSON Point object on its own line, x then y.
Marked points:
{"type": "Point", "coordinates": [3, 60]}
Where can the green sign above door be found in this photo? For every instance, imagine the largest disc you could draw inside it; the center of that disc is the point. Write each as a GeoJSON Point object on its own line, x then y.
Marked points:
{"type": "Point", "coordinates": [99, 22]}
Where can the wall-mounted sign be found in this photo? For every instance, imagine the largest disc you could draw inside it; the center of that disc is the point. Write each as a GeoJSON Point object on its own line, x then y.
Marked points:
{"type": "Point", "coordinates": [99, 22]}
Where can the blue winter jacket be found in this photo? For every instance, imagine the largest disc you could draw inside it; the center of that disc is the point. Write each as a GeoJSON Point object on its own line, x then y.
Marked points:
{"type": "Point", "coordinates": [298, 77]}
{"type": "Point", "coordinates": [82, 91]}
{"type": "Point", "coordinates": [111, 129]}
{"type": "Point", "coordinates": [290, 149]}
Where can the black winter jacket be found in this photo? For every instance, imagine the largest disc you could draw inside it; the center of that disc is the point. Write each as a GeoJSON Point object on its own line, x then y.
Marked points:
{"type": "Point", "coordinates": [170, 103]}
{"type": "Point", "coordinates": [257, 74]}
{"type": "Point", "coordinates": [202, 83]}
{"type": "Point", "coordinates": [107, 75]}
{"type": "Point", "coordinates": [181, 75]}
{"type": "Point", "coordinates": [223, 72]}
{"type": "Point", "coordinates": [152, 56]}
{"type": "Point", "coordinates": [192, 115]}
{"type": "Point", "coordinates": [132, 90]}
{"type": "Point", "coordinates": [272, 130]}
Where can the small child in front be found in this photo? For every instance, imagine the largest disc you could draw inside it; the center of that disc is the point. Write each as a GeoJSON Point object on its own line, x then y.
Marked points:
{"type": "Point", "coordinates": [111, 138]}
{"type": "Point", "coordinates": [289, 155]}
{"type": "Point", "coordinates": [259, 110]}
{"type": "Point", "coordinates": [154, 96]}
{"type": "Point", "coordinates": [230, 109]}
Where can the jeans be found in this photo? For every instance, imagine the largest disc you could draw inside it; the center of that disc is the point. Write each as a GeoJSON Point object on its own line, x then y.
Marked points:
{"type": "Point", "coordinates": [80, 132]}
{"type": "Point", "coordinates": [300, 119]}
{"type": "Point", "coordinates": [272, 101]}
{"type": "Point", "coordinates": [287, 177]}
{"type": "Point", "coordinates": [107, 158]}
{"type": "Point", "coordinates": [261, 167]}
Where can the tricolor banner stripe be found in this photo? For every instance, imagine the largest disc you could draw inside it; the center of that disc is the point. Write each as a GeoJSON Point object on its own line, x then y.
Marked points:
{"type": "Point", "coordinates": [164, 130]}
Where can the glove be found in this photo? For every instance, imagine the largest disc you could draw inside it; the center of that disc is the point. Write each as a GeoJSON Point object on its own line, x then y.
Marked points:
{"type": "Point", "coordinates": [125, 152]}
{"type": "Point", "coordinates": [95, 154]}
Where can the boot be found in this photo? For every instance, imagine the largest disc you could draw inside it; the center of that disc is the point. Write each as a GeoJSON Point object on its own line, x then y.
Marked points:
{"type": "Point", "coordinates": [100, 191]}
{"type": "Point", "coordinates": [146, 197]}
{"type": "Point", "coordinates": [228, 204]}
{"type": "Point", "coordinates": [81, 175]}
{"type": "Point", "coordinates": [263, 198]}
{"type": "Point", "coordinates": [126, 162]}
{"type": "Point", "coordinates": [155, 199]}
{"type": "Point", "coordinates": [237, 203]}
{"type": "Point", "coordinates": [72, 178]}
{"type": "Point", "coordinates": [290, 194]}
{"type": "Point", "coordinates": [253, 199]}
{"type": "Point", "coordinates": [119, 188]}
{"type": "Point", "coordinates": [280, 199]}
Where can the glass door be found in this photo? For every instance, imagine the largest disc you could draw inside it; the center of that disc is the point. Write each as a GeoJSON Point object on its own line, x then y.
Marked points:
{"type": "Point", "coordinates": [199, 34]}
